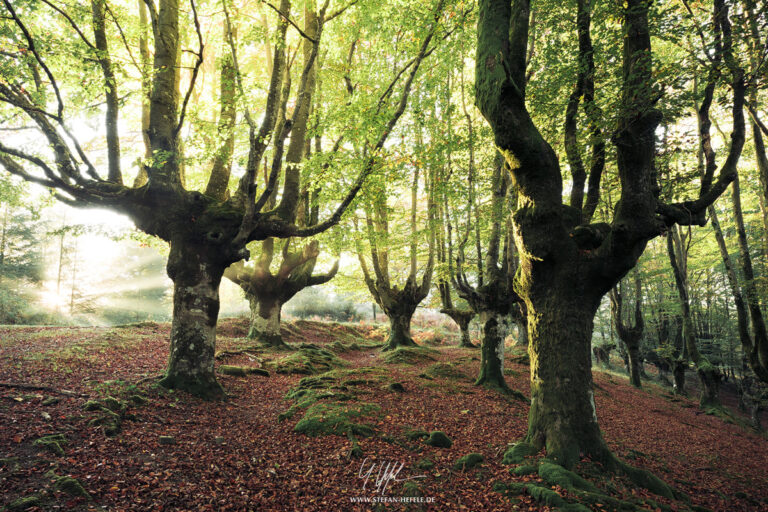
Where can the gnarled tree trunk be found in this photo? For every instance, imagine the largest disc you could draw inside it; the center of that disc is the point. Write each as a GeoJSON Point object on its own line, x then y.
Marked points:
{"type": "Point", "coordinates": [196, 280]}
{"type": "Point", "coordinates": [492, 352]}
{"type": "Point", "coordinates": [562, 417]}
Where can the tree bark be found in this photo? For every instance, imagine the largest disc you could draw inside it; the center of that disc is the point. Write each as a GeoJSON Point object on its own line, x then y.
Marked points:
{"type": "Point", "coordinates": [633, 352]}
{"type": "Point", "coordinates": [562, 417]}
{"type": "Point", "coordinates": [399, 330]}
{"type": "Point", "coordinates": [265, 321]}
{"type": "Point", "coordinates": [196, 278]}
{"type": "Point", "coordinates": [492, 352]}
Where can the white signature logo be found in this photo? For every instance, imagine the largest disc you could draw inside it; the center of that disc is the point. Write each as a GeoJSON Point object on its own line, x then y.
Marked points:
{"type": "Point", "coordinates": [387, 473]}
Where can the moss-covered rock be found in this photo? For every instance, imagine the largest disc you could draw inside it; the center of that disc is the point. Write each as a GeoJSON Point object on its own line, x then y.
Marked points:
{"type": "Point", "coordinates": [53, 443]}
{"type": "Point", "coordinates": [517, 453]}
{"type": "Point", "coordinates": [468, 461]}
{"type": "Point", "coordinates": [424, 464]}
{"type": "Point", "coordinates": [336, 419]}
{"type": "Point", "coordinates": [416, 434]}
{"type": "Point", "coordinates": [397, 387]}
{"type": "Point", "coordinates": [411, 489]}
{"type": "Point", "coordinates": [445, 371]}
{"type": "Point", "coordinates": [409, 355]}
{"type": "Point", "coordinates": [438, 439]}
{"type": "Point", "coordinates": [71, 486]}
{"type": "Point", "coordinates": [558, 475]}
{"type": "Point", "coordinates": [51, 400]}
{"type": "Point", "coordinates": [23, 503]}
{"type": "Point", "coordinates": [92, 405]}
{"type": "Point", "coordinates": [309, 359]}
{"type": "Point", "coordinates": [523, 470]}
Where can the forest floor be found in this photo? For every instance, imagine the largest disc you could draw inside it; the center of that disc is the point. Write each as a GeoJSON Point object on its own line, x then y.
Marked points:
{"type": "Point", "coordinates": [330, 413]}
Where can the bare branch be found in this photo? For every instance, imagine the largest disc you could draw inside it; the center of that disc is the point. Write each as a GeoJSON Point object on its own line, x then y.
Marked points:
{"type": "Point", "coordinates": [195, 70]}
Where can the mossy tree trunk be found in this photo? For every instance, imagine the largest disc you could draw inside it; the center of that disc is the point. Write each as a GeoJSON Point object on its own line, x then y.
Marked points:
{"type": "Point", "coordinates": [196, 282]}
{"type": "Point", "coordinates": [265, 321]}
{"type": "Point", "coordinates": [562, 417]}
{"type": "Point", "coordinates": [492, 352]}
{"type": "Point", "coordinates": [567, 264]}
{"type": "Point", "coordinates": [399, 331]}
{"type": "Point", "coordinates": [709, 375]}
{"type": "Point", "coordinates": [630, 334]}
{"type": "Point", "coordinates": [462, 318]}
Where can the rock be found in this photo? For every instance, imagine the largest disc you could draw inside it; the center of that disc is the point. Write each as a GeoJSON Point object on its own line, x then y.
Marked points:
{"type": "Point", "coordinates": [25, 503]}
{"type": "Point", "coordinates": [438, 439]}
{"type": "Point", "coordinates": [468, 461]}
{"type": "Point", "coordinates": [71, 486]}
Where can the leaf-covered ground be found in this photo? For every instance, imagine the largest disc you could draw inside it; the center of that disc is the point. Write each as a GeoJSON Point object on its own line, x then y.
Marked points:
{"type": "Point", "coordinates": [132, 446]}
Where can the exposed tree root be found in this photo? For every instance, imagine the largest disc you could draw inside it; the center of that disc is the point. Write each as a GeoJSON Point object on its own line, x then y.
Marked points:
{"type": "Point", "coordinates": [33, 387]}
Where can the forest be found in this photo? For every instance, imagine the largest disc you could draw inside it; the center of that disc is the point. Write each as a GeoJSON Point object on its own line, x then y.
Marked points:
{"type": "Point", "coordinates": [365, 255]}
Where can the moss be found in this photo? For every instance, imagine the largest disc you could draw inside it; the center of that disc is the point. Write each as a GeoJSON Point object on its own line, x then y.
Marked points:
{"type": "Point", "coordinates": [241, 371]}
{"type": "Point", "coordinates": [336, 419]}
{"type": "Point", "coordinates": [307, 360]}
{"type": "Point", "coordinates": [545, 496]}
{"type": "Point", "coordinates": [424, 464]}
{"type": "Point", "coordinates": [138, 399]}
{"type": "Point", "coordinates": [595, 498]}
{"type": "Point", "coordinates": [647, 480]}
{"type": "Point", "coordinates": [438, 439]}
{"type": "Point", "coordinates": [52, 443]}
{"type": "Point", "coordinates": [558, 475]}
{"type": "Point", "coordinates": [51, 400]}
{"type": "Point", "coordinates": [113, 404]}
{"type": "Point", "coordinates": [468, 461]}
{"type": "Point", "coordinates": [518, 452]}
{"type": "Point", "coordinates": [445, 371]}
{"type": "Point", "coordinates": [409, 355]}
{"type": "Point", "coordinates": [71, 486]}
{"type": "Point", "coordinates": [523, 470]}
{"type": "Point", "coordinates": [396, 387]}
{"type": "Point", "coordinates": [411, 489]}
{"type": "Point", "coordinates": [92, 405]}
{"type": "Point", "coordinates": [416, 434]}
{"type": "Point", "coordinates": [33, 500]}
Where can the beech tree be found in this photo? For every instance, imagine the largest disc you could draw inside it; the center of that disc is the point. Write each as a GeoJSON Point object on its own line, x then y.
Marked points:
{"type": "Point", "coordinates": [567, 264]}
{"type": "Point", "coordinates": [630, 334]}
{"type": "Point", "coordinates": [493, 296]}
{"type": "Point", "coordinates": [206, 233]}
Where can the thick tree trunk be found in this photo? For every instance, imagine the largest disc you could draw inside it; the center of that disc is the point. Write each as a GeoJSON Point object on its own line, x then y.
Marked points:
{"type": "Point", "coordinates": [562, 417]}
{"type": "Point", "coordinates": [633, 352]}
{"type": "Point", "coordinates": [193, 330]}
{"type": "Point", "coordinates": [678, 373]}
{"type": "Point", "coordinates": [399, 331]}
{"type": "Point", "coordinates": [265, 321]}
{"type": "Point", "coordinates": [492, 355]}
{"type": "Point", "coordinates": [466, 341]}
{"type": "Point", "coordinates": [709, 376]}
